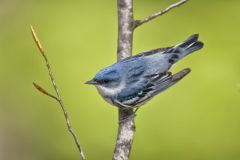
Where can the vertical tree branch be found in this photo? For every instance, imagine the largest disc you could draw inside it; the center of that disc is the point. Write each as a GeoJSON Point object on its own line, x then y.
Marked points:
{"type": "Point", "coordinates": [126, 26]}
{"type": "Point", "coordinates": [126, 126]}
{"type": "Point", "coordinates": [125, 29]}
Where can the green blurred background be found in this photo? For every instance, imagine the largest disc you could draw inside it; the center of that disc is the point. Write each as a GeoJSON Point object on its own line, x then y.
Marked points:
{"type": "Point", "coordinates": [198, 119]}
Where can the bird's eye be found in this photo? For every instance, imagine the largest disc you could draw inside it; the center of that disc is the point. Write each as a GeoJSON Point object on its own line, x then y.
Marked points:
{"type": "Point", "coordinates": [105, 80]}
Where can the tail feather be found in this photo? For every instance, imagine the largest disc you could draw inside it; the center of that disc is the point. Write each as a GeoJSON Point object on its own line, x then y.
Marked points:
{"type": "Point", "coordinates": [183, 49]}
{"type": "Point", "coordinates": [189, 41]}
{"type": "Point", "coordinates": [190, 45]}
{"type": "Point", "coordinates": [194, 47]}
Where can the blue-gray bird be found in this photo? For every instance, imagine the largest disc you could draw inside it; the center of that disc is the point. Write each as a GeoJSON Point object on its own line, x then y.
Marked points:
{"type": "Point", "coordinates": [133, 81]}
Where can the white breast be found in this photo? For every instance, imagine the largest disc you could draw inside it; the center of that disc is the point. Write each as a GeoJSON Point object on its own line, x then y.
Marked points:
{"type": "Point", "coordinates": [109, 92]}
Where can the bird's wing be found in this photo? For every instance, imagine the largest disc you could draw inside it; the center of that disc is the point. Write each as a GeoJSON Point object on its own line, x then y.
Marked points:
{"type": "Point", "coordinates": [148, 87]}
{"type": "Point", "coordinates": [153, 51]}
{"type": "Point", "coordinates": [160, 84]}
{"type": "Point", "coordinates": [148, 53]}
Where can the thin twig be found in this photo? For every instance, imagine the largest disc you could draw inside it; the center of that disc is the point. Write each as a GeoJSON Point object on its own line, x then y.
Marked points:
{"type": "Point", "coordinates": [40, 89]}
{"type": "Point", "coordinates": [58, 98]}
{"type": "Point", "coordinates": [157, 14]}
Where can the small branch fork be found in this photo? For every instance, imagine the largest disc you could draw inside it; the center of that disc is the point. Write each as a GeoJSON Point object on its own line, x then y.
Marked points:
{"type": "Point", "coordinates": [157, 14]}
{"type": "Point", "coordinates": [126, 27]}
{"type": "Point", "coordinates": [58, 97]}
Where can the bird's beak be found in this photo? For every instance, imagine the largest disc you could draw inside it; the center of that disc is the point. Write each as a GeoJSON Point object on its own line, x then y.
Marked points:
{"type": "Point", "coordinates": [92, 82]}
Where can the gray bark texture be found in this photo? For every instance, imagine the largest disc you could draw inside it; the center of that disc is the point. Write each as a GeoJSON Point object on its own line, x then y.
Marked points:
{"type": "Point", "coordinates": [126, 127]}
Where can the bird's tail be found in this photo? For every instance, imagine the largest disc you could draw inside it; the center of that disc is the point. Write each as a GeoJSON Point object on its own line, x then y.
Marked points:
{"type": "Point", "coordinates": [183, 49]}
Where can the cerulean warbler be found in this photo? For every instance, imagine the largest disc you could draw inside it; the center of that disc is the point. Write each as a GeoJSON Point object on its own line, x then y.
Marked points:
{"type": "Point", "coordinates": [133, 81]}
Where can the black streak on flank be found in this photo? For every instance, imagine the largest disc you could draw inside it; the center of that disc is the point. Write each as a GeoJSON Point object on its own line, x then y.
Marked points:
{"type": "Point", "coordinates": [171, 61]}
{"type": "Point", "coordinates": [175, 56]}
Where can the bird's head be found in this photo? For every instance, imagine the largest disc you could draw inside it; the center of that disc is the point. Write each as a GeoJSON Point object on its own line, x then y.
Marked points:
{"type": "Point", "coordinates": [108, 78]}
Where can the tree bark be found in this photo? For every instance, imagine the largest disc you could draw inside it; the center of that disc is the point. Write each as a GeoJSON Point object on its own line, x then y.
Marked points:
{"type": "Point", "coordinates": [126, 127]}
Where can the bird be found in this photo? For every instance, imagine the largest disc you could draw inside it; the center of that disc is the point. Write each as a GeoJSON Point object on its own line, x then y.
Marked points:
{"type": "Point", "coordinates": [135, 80]}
